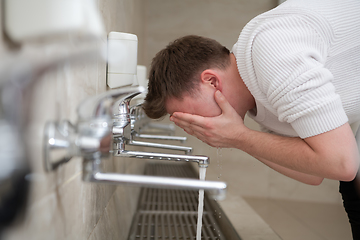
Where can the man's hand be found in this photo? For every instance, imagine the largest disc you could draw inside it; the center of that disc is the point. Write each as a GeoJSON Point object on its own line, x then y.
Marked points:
{"type": "Point", "coordinates": [221, 131]}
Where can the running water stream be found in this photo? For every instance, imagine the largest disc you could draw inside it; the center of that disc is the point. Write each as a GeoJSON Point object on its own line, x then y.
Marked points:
{"type": "Point", "coordinates": [202, 173]}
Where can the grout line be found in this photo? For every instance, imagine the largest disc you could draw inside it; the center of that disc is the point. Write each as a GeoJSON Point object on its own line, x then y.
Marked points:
{"type": "Point", "coordinates": [102, 213]}
{"type": "Point", "coordinates": [71, 179]}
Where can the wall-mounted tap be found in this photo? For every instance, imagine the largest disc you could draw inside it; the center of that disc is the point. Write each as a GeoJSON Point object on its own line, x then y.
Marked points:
{"type": "Point", "coordinates": [158, 131]}
{"type": "Point", "coordinates": [141, 122]}
{"type": "Point", "coordinates": [91, 139]}
{"type": "Point", "coordinates": [136, 118]}
{"type": "Point", "coordinates": [144, 126]}
{"type": "Point", "coordinates": [123, 128]}
{"type": "Point", "coordinates": [91, 136]}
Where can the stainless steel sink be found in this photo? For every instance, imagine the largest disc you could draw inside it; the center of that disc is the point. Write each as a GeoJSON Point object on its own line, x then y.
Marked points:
{"type": "Point", "coordinates": [172, 214]}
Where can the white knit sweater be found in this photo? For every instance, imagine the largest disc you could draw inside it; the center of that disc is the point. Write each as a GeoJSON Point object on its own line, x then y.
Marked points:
{"type": "Point", "coordinates": [301, 62]}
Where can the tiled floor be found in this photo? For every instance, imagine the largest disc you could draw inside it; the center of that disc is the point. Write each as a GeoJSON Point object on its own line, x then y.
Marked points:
{"type": "Point", "coordinates": [294, 220]}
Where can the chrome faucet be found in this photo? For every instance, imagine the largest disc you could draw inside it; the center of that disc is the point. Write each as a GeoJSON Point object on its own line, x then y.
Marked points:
{"type": "Point", "coordinates": [136, 119]}
{"type": "Point", "coordinates": [145, 123]}
{"type": "Point", "coordinates": [91, 138]}
{"type": "Point", "coordinates": [140, 123]}
{"type": "Point", "coordinates": [122, 129]}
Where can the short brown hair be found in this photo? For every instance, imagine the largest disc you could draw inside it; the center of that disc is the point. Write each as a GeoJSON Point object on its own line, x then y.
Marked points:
{"type": "Point", "coordinates": [176, 70]}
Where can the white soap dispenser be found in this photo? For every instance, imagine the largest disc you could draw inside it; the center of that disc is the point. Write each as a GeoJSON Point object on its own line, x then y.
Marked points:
{"type": "Point", "coordinates": [122, 59]}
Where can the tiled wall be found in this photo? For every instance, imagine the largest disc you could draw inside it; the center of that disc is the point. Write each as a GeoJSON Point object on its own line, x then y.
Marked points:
{"type": "Point", "coordinates": [62, 206]}
{"type": "Point", "coordinates": [223, 21]}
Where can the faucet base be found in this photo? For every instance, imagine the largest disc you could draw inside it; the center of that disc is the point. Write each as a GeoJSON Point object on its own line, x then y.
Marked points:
{"type": "Point", "coordinates": [56, 145]}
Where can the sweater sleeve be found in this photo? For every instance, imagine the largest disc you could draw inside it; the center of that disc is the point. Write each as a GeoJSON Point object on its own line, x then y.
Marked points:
{"type": "Point", "coordinates": [288, 57]}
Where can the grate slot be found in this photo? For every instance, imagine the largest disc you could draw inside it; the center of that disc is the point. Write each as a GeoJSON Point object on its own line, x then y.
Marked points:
{"type": "Point", "coordinates": [209, 229]}
{"type": "Point", "coordinates": [163, 228]}
{"type": "Point", "coordinates": [176, 226]}
{"type": "Point", "coordinates": [193, 222]}
{"type": "Point", "coordinates": [150, 231]}
{"type": "Point", "coordinates": [143, 222]}
{"type": "Point", "coordinates": [190, 199]}
{"type": "Point", "coordinates": [182, 225]}
{"type": "Point", "coordinates": [169, 226]}
{"type": "Point", "coordinates": [154, 200]}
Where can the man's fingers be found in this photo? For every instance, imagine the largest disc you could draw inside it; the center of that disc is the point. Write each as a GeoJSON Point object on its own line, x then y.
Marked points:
{"type": "Point", "coordinates": [192, 124]}
{"type": "Point", "coordinates": [187, 126]}
{"type": "Point", "coordinates": [185, 119]}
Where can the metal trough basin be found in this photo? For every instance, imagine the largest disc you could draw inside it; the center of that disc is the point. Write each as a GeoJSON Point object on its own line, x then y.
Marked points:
{"type": "Point", "coordinates": [172, 214]}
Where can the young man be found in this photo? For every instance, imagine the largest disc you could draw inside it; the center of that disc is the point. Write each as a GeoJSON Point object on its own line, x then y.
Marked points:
{"type": "Point", "coordinates": [295, 70]}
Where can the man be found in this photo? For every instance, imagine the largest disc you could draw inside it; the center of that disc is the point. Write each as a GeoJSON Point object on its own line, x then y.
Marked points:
{"type": "Point", "coordinates": [295, 70]}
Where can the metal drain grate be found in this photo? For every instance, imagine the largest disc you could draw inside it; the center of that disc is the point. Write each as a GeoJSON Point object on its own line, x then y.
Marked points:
{"type": "Point", "coordinates": [167, 214]}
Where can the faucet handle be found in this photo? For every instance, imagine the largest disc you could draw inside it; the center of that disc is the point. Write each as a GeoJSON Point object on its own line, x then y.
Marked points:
{"type": "Point", "coordinates": [137, 116]}
{"type": "Point", "coordinates": [101, 106]}
{"type": "Point", "coordinates": [135, 109]}
{"type": "Point", "coordinates": [124, 104]}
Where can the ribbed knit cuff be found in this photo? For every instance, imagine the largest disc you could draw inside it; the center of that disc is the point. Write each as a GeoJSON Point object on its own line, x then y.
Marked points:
{"type": "Point", "coordinates": [321, 120]}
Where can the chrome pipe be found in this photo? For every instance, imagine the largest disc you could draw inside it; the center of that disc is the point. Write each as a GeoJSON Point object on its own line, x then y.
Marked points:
{"type": "Point", "coordinates": [160, 126]}
{"type": "Point", "coordinates": [161, 182]}
{"type": "Point", "coordinates": [160, 137]}
{"type": "Point", "coordinates": [187, 150]}
{"type": "Point", "coordinates": [92, 172]}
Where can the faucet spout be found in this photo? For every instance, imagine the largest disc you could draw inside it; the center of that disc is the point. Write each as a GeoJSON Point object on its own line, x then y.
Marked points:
{"type": "Point", "coordinates": [203, 161]}
{"type": "Point", "coordinates": [92, 173]}
{"type": "Point", "coordinates": [102, 104]}
{"type": "Point", "coordinates": [160, 182]}
{"type": "Point", "coordinates": [140, 122]}
{"type": "Point", "coordinates": [160, 137]}
{"type": "Point", "coordinates": [187, 150]}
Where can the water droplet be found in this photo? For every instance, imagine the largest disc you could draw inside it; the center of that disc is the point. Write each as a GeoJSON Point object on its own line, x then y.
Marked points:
{"type": "Point", "coordinates": [219, 152]}
{"type": "Point", "coordinates": [219, 158]}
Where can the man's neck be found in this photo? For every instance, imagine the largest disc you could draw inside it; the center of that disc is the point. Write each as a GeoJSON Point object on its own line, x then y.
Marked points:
{"type": "Point", "coordinates": [245, 99]}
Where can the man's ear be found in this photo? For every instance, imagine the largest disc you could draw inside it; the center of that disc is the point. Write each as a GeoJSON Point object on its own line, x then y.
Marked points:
{"type": "Point", "coordinates": [211, 77]}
